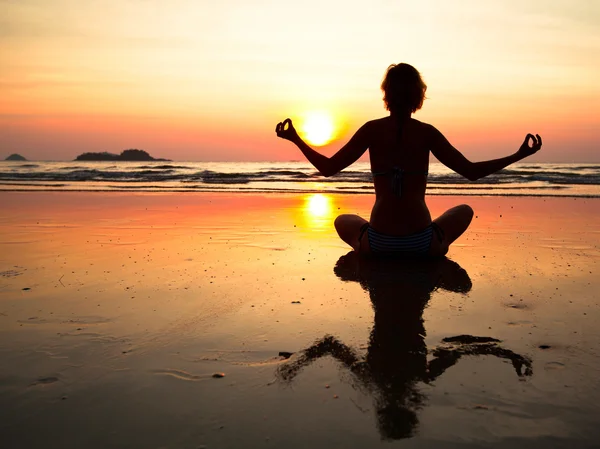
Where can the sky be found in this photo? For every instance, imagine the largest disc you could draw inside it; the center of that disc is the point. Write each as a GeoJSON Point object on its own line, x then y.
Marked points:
{"type": "Point", "coordinates": [200, 80]}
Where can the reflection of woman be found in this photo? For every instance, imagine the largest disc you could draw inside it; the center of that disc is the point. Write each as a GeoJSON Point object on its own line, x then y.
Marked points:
{"type": "Point", "coordinates": [396, 358]}
{"type": "Point", "coordinates": [399, 149]}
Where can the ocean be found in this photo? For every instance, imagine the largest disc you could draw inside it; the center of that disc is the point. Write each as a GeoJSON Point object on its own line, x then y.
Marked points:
{"type": "Point", "coordinates": [522, 179]}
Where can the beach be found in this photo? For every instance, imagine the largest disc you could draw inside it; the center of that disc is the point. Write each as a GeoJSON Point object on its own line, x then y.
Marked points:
{"type": "Point", "coordinates": [229, 320]}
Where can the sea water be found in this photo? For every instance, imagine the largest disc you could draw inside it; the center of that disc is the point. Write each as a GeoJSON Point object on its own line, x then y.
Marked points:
{"type": "Point", "coordinates": [521, 179]}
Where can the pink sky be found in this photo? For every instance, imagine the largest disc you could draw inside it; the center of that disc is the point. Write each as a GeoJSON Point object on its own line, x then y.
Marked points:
{"type": "Point", "coordinates": [189, 80]}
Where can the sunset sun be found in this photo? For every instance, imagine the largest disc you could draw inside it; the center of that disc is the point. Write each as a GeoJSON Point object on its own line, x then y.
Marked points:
{"type": "Point", "coordinates": [318, 128]}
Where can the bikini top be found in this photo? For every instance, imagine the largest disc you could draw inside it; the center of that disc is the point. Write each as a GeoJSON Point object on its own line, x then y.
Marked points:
{"type": "Point", "coordinates": [398, 173]}
{"type": "Point", "coordinates": [397, 176]}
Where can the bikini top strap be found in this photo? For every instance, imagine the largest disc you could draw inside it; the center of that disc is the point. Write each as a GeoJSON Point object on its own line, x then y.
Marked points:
{"type": "Point", "coordinates": [397, 174]}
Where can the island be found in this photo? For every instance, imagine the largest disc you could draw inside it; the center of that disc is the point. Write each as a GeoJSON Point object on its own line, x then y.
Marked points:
{"type": "Point", "coordinates": [127, 155]}
{"type": "Point", "coordinates": [15, 157]}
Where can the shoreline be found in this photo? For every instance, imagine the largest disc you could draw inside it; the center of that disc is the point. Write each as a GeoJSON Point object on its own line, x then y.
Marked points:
{"type": "Point", "coordinates": [297, 192]}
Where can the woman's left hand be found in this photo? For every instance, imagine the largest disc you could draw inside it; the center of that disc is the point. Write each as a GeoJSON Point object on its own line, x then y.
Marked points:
{"type": "Point", "coordinates": [288, 133]}
{"type": "Point", "coordinates": [536, 145]}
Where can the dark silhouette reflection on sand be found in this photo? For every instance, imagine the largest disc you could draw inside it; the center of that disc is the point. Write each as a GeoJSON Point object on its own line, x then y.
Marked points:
{"type": "Point", "coordinates": [396, 358]}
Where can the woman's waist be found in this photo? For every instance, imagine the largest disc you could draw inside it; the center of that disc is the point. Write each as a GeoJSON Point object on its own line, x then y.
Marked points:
{"type": "Point", "coordinates": [399, 217]}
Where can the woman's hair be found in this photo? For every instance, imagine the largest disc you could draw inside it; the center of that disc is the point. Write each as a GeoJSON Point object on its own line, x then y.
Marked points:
{"type": "Point", "coordinates": [403, 88]}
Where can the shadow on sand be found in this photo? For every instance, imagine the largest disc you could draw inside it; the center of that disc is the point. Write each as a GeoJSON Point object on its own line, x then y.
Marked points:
{"type": "Point", "coordinates": [396, 358]}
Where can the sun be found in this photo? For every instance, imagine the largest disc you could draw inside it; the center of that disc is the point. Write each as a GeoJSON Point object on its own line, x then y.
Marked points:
{"type": "Point", "coordinates": [318, 128]}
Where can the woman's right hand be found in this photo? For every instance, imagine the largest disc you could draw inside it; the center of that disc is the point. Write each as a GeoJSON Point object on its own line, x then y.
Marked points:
{"type": "Point", "coordinates": [288, 133]}
{"type": "Point", "coordinates": [525, 150]}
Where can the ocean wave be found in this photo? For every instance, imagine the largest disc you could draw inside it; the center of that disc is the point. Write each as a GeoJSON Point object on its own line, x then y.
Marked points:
{"type": "Point", "coordinates": [163, 167]}
{"type": "Point", "coordinates": [566, 166]}
{"type": "Point", "coordinates": [215, 177]}
{"type": "Point", "coordinates": [558, 177]}
{"type": "Point", "coordinates": [32, 184]}
{"type": "Point", "coordinates": [284, 172]}
{"type": "Point", "coordinates": [582, 179]}
{"type": "Point", "coordinates": [586, 167]}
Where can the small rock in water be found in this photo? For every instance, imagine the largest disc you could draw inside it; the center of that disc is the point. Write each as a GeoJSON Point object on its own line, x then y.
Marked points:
{"type": "Point", "coordinates": [218, 375]}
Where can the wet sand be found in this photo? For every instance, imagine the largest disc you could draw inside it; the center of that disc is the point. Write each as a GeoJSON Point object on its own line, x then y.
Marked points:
{"type": "Point", "coordinates": [117, 310]}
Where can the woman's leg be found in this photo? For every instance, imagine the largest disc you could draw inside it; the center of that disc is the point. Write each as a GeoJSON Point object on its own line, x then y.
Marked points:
{"type": "Point", "coordinates": [453, 223]}
{"type": "Point", "coordinates": [348, 227]}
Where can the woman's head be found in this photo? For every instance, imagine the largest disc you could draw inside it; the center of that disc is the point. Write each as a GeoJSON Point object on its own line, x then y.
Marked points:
{"type": "Point", "coordinates": [403, 89]}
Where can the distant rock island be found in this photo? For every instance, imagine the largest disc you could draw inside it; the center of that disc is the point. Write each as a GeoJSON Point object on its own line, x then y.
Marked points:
{"type": "Point", "coordinates": [127, 155]}
{"type": "Point", "coordinates": [15, 157]}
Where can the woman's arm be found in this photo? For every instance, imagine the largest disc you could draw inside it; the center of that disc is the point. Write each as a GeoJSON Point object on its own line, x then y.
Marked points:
{"type": "Point", "coordinates": [327, 166]}
{"type": "Point", "coordinates": [454, 159]}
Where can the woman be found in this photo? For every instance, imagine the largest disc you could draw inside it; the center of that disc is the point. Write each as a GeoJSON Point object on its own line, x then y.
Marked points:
{"type": "Point", "coordinates": [399, 149]}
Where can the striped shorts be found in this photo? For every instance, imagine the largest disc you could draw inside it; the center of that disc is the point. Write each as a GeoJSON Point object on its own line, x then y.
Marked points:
{"type": "Point", "coordinates": [414, 244]}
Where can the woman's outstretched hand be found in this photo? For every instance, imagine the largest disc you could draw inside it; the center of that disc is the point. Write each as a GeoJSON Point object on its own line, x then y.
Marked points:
{"type": "Point", "coordinates": [527, 150]}
{"type": "Point", "coordinates": [288, 133]}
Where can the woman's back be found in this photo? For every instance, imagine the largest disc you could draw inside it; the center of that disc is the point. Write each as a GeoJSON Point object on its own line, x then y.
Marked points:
{"type": "Point", "coordinates": [399, 153]}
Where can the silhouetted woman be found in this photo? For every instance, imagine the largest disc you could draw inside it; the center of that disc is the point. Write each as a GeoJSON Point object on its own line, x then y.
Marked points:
{"type": "Point", "coordinates": [399, 149]}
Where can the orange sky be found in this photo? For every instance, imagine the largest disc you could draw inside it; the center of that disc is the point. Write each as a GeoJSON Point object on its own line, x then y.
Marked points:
{"type": "Point", "coordinates": [190, 80]}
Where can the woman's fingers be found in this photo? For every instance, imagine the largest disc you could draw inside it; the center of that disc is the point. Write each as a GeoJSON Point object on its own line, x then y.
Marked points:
{"type": "Point", "coordinates": [280, 128]}
{"type": "Point", "coordinates": [285, 129]}
{"type": "Point", "coordinates": [536, 143]}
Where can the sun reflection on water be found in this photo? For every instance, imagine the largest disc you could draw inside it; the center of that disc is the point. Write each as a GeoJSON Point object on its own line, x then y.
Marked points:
{"type": "Point", "coordinates": [318, 210]}
{"type": "Point", "coordinates": [318, 204]}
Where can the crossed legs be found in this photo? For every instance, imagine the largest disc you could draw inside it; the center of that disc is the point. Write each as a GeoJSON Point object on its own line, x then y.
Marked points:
{"type": "Point", "coordinates": [454, 222]}
{"type": "Point", "coordinates": [348, 227]}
